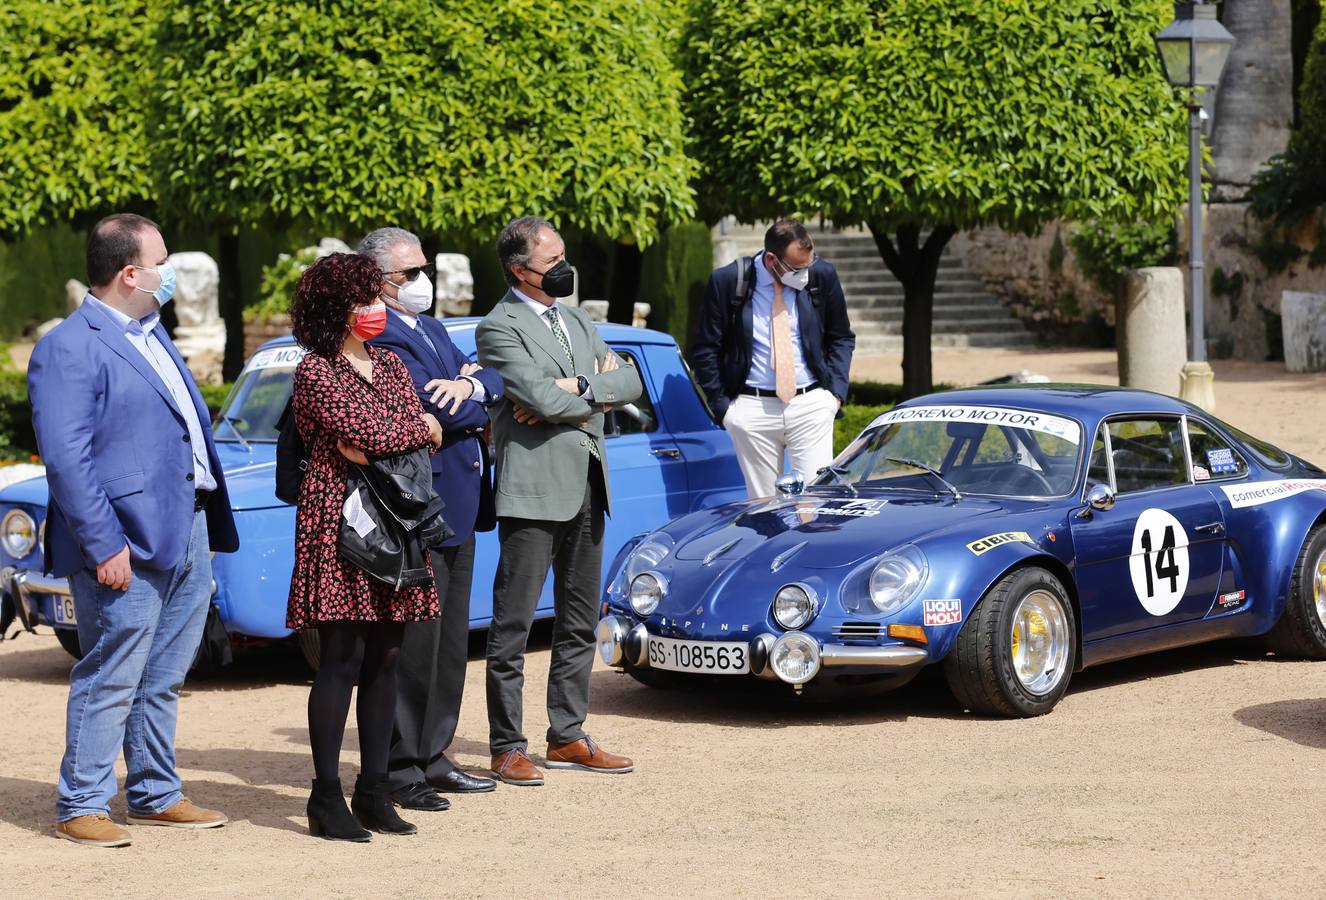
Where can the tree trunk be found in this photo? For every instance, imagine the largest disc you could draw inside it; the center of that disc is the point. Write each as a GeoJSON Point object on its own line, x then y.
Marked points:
{"type": "Point", "coordinates": [232, 306]}
{"type": "Point", "coordinates": [915, 265]}
{"type": "Point", "coordinates": [624, 289]}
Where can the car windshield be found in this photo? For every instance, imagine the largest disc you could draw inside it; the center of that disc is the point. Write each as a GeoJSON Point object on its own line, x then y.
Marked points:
{"type": "Point", "coordinates": [259, 396]}
{"type": "Point", "coordinates": [987, 450]}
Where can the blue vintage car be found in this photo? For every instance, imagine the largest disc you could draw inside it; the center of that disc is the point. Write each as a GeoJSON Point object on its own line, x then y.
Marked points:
{"type": "Point", "coordinates": [666, 454]}
{"type": "Point", "coordinates": [1014, 535]}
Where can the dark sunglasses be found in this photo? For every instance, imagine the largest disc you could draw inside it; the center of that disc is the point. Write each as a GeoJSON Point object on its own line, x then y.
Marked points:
{"type": "Point", "coordinates": [412, 273]}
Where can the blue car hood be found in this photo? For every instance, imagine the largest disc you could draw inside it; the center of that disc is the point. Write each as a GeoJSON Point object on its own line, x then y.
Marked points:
{"type": "Point", "coordinates": [32, 492]}
{"type": "Point", "coordinates": [836, 529]}
{"type": "Point", "coordinates": [250, 474]}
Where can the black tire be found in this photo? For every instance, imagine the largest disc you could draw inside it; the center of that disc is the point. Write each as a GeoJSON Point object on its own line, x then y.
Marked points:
{"type": "Point", "coordinates": [310, 645]}
{"type": "Point", "coordinates": [663, 680]}
{"type": "Point", "coordinates": [1300, 631]}
{"type": "Point", "coordinates": [979, 668]}
{"type": "Point", "coordinates": [68, 638]}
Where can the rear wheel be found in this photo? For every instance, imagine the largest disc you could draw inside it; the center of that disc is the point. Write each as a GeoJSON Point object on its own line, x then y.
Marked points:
{"type": "Point", "coordinates": [1301, 630]}
{"type": "Point", "coordinates": [1016, 652]}
{"type": "Point", "coordinates": [68, 638]}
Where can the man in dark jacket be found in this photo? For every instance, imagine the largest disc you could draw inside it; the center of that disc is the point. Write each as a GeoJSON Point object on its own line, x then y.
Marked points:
{"type": "Point", "coordinates": [431, 673]}
{"type": "Point", "coordinates": [772, 353]}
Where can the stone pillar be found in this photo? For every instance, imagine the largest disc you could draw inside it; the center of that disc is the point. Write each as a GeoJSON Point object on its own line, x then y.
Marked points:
{"type": "Point", "coordinates": [1151, 328]}
{"type": "Point", "coordinates": [1303, 319]}
{"type": "Point", "coordinates": [200, 335]}
{"type": "Point", "coordinates": [455, 285]}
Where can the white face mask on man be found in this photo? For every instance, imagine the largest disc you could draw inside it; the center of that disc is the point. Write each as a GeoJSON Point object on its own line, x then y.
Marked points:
{"type": "Point", "coordinates": [796, 279]}
{"type": "Point", "coordinates": [416, 296]}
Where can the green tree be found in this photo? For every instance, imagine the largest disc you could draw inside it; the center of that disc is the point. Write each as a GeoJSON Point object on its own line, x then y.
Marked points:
{"type": "Point", "coordinates": [1293, 184]}
{"type": "Point", "coordinates": [919, 118]}
{"type": "Point", "coordinates": [448, 118]}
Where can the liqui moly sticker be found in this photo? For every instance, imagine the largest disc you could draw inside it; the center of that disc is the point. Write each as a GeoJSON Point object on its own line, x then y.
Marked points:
{"type": "Point", "coordinates": [1060, 427]}
{"type": "Point", "coordinates": [941, 612]}
{"type": "Point", "coordinates": [1259, 492]}
{"type": "Point", "coordinates": [276, 358]}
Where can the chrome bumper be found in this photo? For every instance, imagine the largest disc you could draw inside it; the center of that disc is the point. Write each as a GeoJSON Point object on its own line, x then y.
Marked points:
{"type": "Point", "coordinates": [24, 587]}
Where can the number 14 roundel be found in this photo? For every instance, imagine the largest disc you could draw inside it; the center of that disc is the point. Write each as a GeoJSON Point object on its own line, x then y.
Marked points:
{"type": "Point", "coordinates": [1159, 561]}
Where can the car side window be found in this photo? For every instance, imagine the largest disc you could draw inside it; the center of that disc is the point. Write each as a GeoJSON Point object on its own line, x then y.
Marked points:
{"type": "Point", "coordinates": [631, 418]}
{"type": "Point", "coordinates": [1213, 459]}
{"type": "Point", "coordinates": [1148, 454]}
{"type": "Point", "coordinates": [1099, 470]}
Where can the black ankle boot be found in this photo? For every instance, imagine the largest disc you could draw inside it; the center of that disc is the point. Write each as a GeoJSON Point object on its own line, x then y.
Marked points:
{"type": "Point", "coordinates": [328, 816]}
{"type": "Point", "coordinates": [373, 807]}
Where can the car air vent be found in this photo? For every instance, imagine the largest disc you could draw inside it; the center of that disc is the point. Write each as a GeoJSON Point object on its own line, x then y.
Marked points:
{"type": "Point", "coordinates": [858, 631]}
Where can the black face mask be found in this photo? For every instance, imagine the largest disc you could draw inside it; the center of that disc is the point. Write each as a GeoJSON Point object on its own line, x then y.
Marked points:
{"type": "Point", "coordinates": [558, 281]}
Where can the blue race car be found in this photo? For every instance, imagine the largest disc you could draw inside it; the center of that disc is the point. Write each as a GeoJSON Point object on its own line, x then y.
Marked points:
{"type": "Point", "coordinates": [667, 457]}
{"type": "Point", "coordinates": [1015, 535]}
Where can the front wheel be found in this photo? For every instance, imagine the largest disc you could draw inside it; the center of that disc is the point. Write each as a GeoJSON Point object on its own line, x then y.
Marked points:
{"type": "Point", "coordinates": [68, 638]}
{"type": "Point", "coordinates": [1015, 655]}
{"type": "Point", "coordinates": [1301, 630]}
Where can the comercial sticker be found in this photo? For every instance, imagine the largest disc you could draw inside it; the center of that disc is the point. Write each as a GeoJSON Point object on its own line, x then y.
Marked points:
{"type": "Point", "coordinates": [1259, 492]}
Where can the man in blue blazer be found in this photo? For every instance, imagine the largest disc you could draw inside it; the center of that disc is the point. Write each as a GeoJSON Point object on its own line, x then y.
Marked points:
{"type": "Point", "coordinates": [137, 502]}
{"type": "Point", "coordinates": [431, 671]}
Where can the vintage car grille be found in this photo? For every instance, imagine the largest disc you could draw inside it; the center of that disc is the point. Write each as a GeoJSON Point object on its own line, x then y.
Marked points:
{"type": "Point", "coordinates": [858, 631]}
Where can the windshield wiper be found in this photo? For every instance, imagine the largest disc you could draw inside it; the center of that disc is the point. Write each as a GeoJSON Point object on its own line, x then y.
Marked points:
{"type": "Point", "coordinates": [838, 473]}
{"type": "Point", "coordinates": [231, 420]}
{"type": "Point", "coordinates": [929, 469]}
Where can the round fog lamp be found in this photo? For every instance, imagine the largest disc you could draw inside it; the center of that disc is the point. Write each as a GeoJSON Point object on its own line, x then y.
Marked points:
{"type": "Point", "coordinates": [19, 533]}
{"type": "Point", "coordinates": [609, 636]}
{"type": "Point", "coordinates": [647, 590]}
{"type": "Point", "coordinates": [795, 657]}
{"type": "Point", "coordinates": [794, 606]}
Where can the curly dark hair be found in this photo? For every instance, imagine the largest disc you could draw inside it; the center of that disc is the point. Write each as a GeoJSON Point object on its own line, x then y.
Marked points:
{"type": "Point", "coordinates": [326, 292]}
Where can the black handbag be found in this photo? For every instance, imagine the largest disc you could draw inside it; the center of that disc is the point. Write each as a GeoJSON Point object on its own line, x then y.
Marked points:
{"type": "Point", "coordinates": [291, 456]}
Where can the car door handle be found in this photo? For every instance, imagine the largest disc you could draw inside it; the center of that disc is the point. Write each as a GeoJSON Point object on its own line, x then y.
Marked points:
{"type": "Point", "coordinates": [669, 452]}
{"type": "Point", "coordinates": [1212, 528]}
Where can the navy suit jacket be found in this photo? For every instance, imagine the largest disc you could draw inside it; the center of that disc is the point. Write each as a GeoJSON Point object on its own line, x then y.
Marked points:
{"type": "Point", "coordinates": [462, 471]}
{"type": "Point", "coordinates": [118, 460]}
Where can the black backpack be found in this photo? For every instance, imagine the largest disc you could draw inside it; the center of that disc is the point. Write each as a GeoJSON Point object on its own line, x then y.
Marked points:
{"type": "Point", "coordinates": [291, 456]}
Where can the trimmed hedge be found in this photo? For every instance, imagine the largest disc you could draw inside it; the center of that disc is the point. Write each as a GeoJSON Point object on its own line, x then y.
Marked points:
{"type": "Point", "coordinates": [673, 278]}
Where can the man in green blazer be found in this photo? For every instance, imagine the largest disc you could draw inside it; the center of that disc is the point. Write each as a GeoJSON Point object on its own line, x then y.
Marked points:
{"type": "Point", "coordinates": [551, 495]}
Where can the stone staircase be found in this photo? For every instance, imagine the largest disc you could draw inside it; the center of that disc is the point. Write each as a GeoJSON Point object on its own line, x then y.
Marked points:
{"type": "Point", "coordinates": [965, 315]}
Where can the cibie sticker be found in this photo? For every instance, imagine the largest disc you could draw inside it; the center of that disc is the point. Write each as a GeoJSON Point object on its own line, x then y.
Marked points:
{"type": "Point", "coordinates": [276, 358]}
{"type": "Point", "coordinates": [992, 415]}
{"type": "Point", "coordinates": [990, 541]}
{"type": "Point", "coordinates": [1159, 562]}
{"type": "Point", "coordinates": [941, 612]}
{"type": "Point", "coordinates": [1260, 492]}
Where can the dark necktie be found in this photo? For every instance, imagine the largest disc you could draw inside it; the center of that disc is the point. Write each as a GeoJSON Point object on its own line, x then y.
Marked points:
{"type": "Point", "coordinates": [555, 321]}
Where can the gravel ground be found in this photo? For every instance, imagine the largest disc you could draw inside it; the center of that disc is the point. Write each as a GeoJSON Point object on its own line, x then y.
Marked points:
{"type": "Point", "coordinates": [1190, 773]}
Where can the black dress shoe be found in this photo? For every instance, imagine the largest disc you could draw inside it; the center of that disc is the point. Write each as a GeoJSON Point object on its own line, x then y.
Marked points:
{"type": "Point", "coordinates": [458, 782]}
{"type": "Point", "coordinates": [420, 796]}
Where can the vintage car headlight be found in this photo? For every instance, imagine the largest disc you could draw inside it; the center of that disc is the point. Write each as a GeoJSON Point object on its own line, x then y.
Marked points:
{"type": "Point", "coordinates": [647, 590]}
{"type": "Point", "coordinates": [896, 578]}
{"type": "Point", "coordinates": [646, 555]}
{"type": "Point", "coordinates": [795, 657]}
{"type": "Point", "coordinates": [19, 533]}
{"type": "Point", "coordinates": [794, 606]}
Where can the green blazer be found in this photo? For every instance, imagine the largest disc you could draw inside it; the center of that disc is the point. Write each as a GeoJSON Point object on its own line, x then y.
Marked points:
{"type": "Point", "coordinates": [541, 470]}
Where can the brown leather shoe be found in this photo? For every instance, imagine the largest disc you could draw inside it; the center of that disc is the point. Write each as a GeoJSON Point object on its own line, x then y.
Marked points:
{"type": "Point", "coordinates": [95, 830]}
{"type": "Point", "coordinates": [514, 767]}
{"type": "Point", "coordinates": [183, 815]}
{"type": "Point", "coordinates": [589, 756]}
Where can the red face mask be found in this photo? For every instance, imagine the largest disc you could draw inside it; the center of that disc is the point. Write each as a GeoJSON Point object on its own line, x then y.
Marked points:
{"type": "Point", "coordinates": [370, 321]}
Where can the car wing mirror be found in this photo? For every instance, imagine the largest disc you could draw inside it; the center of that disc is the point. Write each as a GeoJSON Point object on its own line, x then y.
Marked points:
{"type": "Point", "coordinates": [791, 484]}
{"type": "Point", "coordinates": [1099, 497]}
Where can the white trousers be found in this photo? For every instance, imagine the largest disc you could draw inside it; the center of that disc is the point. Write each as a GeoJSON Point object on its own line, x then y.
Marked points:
{"type": "Point", "coordinates": [762, 428]}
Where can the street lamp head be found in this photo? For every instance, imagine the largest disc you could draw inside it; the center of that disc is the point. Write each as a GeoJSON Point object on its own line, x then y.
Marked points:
{"type": "Point", "coordinates": [1194, 47]}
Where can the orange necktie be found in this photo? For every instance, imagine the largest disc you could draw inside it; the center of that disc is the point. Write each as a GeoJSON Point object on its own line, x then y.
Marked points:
{"type": "Point", "coordinates": [785, 376]}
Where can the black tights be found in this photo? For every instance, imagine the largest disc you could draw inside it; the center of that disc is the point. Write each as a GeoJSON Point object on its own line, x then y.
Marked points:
{"type": "Point", "coordinates": [366, 651]}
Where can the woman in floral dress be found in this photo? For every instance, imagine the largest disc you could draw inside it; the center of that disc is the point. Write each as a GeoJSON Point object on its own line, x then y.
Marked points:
{"type": "Point", "coordinates": [351, 401]}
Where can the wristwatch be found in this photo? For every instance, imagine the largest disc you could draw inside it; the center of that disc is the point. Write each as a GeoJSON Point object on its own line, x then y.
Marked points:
{"type": "Point", "coordinates": [583, 383]}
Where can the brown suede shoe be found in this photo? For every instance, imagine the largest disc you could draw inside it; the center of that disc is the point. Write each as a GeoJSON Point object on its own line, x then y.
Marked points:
{"type": "Point", "coordinates": [514, 767]}
{"type": "Point", "coordinates": [95, 830]}
{"type": "Point", "coordinates": [589, 756]}
{"type": "Point", "coordinates": [183, 815]}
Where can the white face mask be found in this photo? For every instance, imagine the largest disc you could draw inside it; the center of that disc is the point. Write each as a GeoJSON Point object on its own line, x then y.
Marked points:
{"type": "Point", "coordinates": [417, 295]}
{"type": "Point", "coordinates": [796, 280]}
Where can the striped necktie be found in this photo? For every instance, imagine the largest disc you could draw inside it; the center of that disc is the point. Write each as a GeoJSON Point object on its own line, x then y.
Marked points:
{"type": "Point", "coordinates": [555, 321]}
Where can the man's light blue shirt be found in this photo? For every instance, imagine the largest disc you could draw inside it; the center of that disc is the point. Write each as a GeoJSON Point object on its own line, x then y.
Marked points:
{"type": "Point", "coordinates": [141, 333]}
{"type": "Point", "coordinates": [761, 373]}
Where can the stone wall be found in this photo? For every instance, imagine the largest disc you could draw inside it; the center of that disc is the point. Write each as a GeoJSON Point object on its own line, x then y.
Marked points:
{"type": "Point", "coordinates": [258, 333]}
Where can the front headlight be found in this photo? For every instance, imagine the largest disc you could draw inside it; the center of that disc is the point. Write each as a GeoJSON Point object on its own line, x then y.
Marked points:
{"type": "Point", "coordinates": [794, 606]}
{"type": "Point", "coordinates": [646, 555]}
{"type": "Point", "coordinates": [897, 577]}
{"type": "Point", "coordinates": [19, 533]}
{"type": "Point", "coordinates": [647, 591]}
{"type": "Point", "coordinates": [795, 657]}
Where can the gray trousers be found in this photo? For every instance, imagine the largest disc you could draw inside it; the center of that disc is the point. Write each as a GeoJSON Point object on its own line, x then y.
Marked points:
{"type": "Point", "coordinates": [574, 551]}
{"type": "Point", "coordinates": [430, 675]}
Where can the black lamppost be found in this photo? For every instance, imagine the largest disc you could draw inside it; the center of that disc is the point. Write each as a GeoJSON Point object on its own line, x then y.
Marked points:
{"type": "Point", "coordinates": [1193, 50]}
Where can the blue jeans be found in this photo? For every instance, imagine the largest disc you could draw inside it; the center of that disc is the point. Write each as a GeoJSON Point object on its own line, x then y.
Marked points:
{"type": "Point", "coordinates": [138, 645]}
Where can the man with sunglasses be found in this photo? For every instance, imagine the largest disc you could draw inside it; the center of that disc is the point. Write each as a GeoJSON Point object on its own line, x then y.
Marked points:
{"type": "Point", "coordinates": [431, 671]}
{"type": "Point", "coordinates": [772, 353]}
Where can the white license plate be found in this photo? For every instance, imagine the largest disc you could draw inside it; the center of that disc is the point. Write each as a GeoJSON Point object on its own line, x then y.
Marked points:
{"type": "Point", "coordinates": [64, 611]}
{"type": "Point", "coordinates": [706, 657]}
